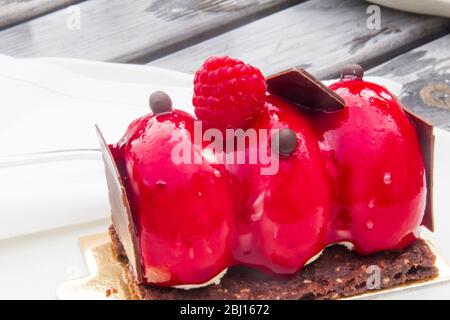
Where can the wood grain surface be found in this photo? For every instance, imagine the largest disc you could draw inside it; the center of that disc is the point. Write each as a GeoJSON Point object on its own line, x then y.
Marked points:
{"type": "Point", "coordinates": [131, 30]}
{"type": "Point", "coordinates": [425, 75]}
{"type": "Point", "coordinates": [16, 11]}
{"type": "Point", "coordinates": [320, 35]}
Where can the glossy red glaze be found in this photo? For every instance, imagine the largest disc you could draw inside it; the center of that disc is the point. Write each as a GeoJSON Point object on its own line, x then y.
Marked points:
{"type": "Point", "coordinates": [356, 175]}
{"type": "Point", "coordinates": [285, 215]}
{"type": "Point", "coordinates": [374, 161]}
{"type": "Point", "coordinates": [182, 212]}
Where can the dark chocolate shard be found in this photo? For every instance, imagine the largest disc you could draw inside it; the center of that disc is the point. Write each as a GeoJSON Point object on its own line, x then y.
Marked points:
{"type": "Point", "coordinates": [120, 208]}
{"type": "Point", "coordinates": [426, 138]}
{"type": "Point", "coordinates": [301, 88]}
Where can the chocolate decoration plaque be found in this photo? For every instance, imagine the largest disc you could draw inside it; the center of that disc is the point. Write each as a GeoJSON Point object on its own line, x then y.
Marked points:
{"type": "Point", "coordinates": [303, 89]}
{"type": "Point", "coordinates": [426, 138]}
{"type": "Point", "coordinates": [120, 208]}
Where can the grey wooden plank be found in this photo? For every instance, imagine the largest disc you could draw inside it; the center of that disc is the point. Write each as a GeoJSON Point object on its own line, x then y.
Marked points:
{"type": "Point", "coordinates": [321, 35]}
{"type": "Point", "coordinates": [425, 75]}
{"type": "Point", "coordinates": [128, 30]}
{"type": "Point", "coordinates": [16, 11]}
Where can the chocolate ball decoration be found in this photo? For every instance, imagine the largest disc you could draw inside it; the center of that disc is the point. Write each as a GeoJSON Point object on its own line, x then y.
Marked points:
{"type": "Point", "coordinates": [286, 141]}
{"type": "Point", "coordinates": [160, 102]}
{"type": "Point", "coordinates": [352, 71]}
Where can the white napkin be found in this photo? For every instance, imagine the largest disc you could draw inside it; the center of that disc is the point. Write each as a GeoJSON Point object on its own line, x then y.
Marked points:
{"type": "Point", "coordinates": [52, 105]}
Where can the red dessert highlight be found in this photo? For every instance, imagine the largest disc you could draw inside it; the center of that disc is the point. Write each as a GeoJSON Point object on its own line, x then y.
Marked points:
{"type": "Point", "coordinates": [376, 168]}
{"type": "Point", "coordinates": [348, 171]}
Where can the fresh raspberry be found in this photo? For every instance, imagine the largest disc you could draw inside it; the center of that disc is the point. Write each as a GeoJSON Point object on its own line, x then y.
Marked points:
{"type": "Point", "coordinates": [228, 93]}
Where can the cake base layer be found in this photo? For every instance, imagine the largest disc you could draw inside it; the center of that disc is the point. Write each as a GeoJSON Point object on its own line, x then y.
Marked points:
{"type": "Point", "coordinates": [337, 273]}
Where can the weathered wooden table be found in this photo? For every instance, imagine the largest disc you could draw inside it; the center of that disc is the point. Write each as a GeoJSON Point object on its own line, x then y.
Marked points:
{"type": "Point", "coordinates": [320, 35]}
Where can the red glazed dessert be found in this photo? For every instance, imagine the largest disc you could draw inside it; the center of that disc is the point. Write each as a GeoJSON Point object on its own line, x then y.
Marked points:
{"type": "Point", "coordinates": [374, 161]}
{"type": "Point", "coordinates": [183, 213]}
{"type": "Point", "coordinates": [354, 175]}
{"type": "Point", "coordinates": [283, 222]}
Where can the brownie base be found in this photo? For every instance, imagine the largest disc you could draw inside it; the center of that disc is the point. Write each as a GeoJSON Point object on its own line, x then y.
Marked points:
{"type": "Point", "coordinates": [337, 273]}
